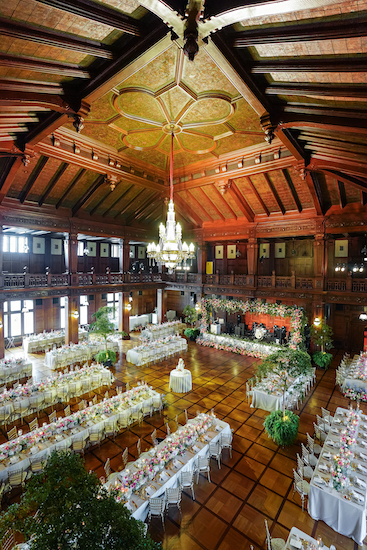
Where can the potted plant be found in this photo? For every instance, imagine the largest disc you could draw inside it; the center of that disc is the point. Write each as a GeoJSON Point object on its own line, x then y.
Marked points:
{"type": "Point", "coordinates": [190, 315]}
{"type": "Point", "coordinates": [321, 336]}
{"type": "Point", "coordinates": [73, 511]}
{"type": "Point", "coordinates": [103, 328]}
{"type": "Point", "coordinates": [282, 427]}
{"type": "Point", "coordinates": [192, 333]}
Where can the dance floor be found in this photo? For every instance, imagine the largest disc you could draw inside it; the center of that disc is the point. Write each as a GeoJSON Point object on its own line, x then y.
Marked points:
{"type": "Point", "coordinates": [256, 483]}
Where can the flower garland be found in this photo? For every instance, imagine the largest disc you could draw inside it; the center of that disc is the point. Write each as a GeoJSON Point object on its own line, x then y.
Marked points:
{"type": "Point", "coordinates": [241, 346]}
{"type": "Point", "coordinates": [147, 468]}
{"type": "Point", "coordinates": [355, 395]}
{"type": "Point", "coordinates": [343, 460]}
{"type": "Point", "coordinates": [27, 390]}
{"type": "Point", "coordinates": [258, 307]}
{"type": "Point", "coordinates": [94, 413]}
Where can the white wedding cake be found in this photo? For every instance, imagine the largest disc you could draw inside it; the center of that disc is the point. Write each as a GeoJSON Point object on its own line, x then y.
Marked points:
{"type": "Point", "coordinates": [181, 364]}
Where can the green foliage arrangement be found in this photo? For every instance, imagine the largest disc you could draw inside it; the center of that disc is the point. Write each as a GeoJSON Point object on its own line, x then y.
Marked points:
{"type": "Point", "coordinates": [322, 359]}
{"type": "Point", "coordinates": [73, 512]}
{"type": "Point", "coordinates": [103, 328]}
{"type": "Point", "coordinates": [190, 315]}
{"type": "Point", "coordinates": [282, 429]}
{"type": "Point", "coordinates": [103, 357]}
{"type": "Point", "coordinates": [297, 363]}
{"type": "Point", "coordinates": [322, 336]}
{"type": "Point", "coordinates": [192, 333]}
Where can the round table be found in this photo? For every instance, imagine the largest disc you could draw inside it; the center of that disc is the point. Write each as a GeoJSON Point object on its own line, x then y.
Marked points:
{"type": "Point", "coordinates": [180, 381]}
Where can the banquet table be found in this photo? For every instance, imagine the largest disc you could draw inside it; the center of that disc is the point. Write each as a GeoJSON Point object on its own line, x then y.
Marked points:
{"type": "Point", "coordinates": [38, 342]}
{"type": "Point", "coordinates": [356, 376]}
{"type": "Point", "coordinates": [273, 400]}
{"type": "Point", "coordinates": [75, 353]}
{"type": "Point", "coordinates": [343, 512]}
{"type": "Point", "coordinates": [180, 381]}
{"type": "Point", "coordinates": [58, 386]}
{"type": "Point", "coordinates": [172, 472]}
{"type": "Point", "coordinates": [60, 434]}
{"type": "Point", "coordinates": [154, 332]}
{"type": "Point", "coordinates": [154, 351]}
{"type": "Point", "coordinates": [298, 535]}
{"type": "Point", "coordinates": [11, 370]}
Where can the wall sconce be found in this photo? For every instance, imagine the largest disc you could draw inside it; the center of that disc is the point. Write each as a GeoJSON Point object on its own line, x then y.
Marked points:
{"type": "Point", "coordinates": [240, 163]}
{"type": "Point", "coordinates": [86, 251]}
{"type": "Point", "coordinates": [75, 314]}
{"type": "Point", "coordinates": [258, 159]}
{"type": "Point", "coordinates": [128, 306]}
{"type": "Point", "coordinates": [76, 149]}
{"type": "Point", "coordinates": [1, 325]}
{"type": "Point", "coordinates": [317, 322]}
{"type": "Point", "coordinates": [94, 155]}
{"type": "Point", "coordinates": [363, 316]}
{"type": "Point", "coordinates": [340, 267]}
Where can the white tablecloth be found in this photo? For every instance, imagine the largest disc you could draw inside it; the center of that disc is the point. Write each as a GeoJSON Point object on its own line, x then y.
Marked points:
{"type": "Point", "coordinates": [326, 504]}
{"type": "Point", "coordinates": [180, 381]}
{"type": "Point", "coordinates": [188, 460]}
{"type": "Point", "coordinates": [65, 438]}
{"type": "Point", "coordinates": [155, 352]}
{"type": "Point", "coordinates": [11, 371]}
{"type": "Point", "coordinates": [76, 353]}
{"type": "Point", "coordinates": [301, 536]}
{"type": "Point", "coordinates": [228, 342]}
{"type": "Point", "coordinates": [261, 399]}
{"type": "Point", "coordinates": [136, 320]}
{"type": "Point", "coordinates": [37, 342]}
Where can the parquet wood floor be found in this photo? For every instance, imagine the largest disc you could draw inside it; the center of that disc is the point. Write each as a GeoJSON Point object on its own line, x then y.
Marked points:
{"type": "Point", "coordinates": [256, 483]}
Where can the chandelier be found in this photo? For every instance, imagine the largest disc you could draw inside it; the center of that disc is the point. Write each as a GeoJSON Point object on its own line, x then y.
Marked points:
{"type": "Point", "coordinates": [171, 251]}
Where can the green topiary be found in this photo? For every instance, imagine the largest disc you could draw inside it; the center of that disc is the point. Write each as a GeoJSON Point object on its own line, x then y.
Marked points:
{"type": "Point", "coordinates": [103, 356]}
{"type": "Point", "coordinates": [322, 359]}
{"type": "Point", "coordinates": [281, 429]}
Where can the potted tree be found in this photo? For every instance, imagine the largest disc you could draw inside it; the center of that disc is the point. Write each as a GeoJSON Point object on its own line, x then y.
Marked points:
{"type": "Point", "coordinates": [73, 511]}
{"type": "Point", "coordinates": [191, 316]}
{"type": "Point", "coordinates": [103, 328]}
{"type": "Point", "coordinates": [321, 336]}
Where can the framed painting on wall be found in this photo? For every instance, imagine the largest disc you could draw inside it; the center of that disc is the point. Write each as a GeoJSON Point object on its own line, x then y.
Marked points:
{"type": "Point", "coordinates": [341, 248]}
{"type": "Point", "coordinates": [231, 251]}
{"type": "Point", "coordinates": [279, 250]}
{"type": "Point", "coordinates": [219, 252]}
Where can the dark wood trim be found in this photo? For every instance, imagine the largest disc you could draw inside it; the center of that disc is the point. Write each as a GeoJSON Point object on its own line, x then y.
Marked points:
{"type": "Point", "coordinates": [42, 66]}
{"type": "Point", "coordinates": [209, 201]}
{"type": "Point", "coordinates": [363, 198]}
{"type": "Point", "coordinates": [192, 215]}
{"type": "Point", "coordinates": [30, 86]}
{"type": "Point", "coordinates": [346, 178]}
{"type": "Point", "coordinates": [141, 208]}
{"type": "Point", "coordinates": [259, 198]}
{"type": "Point", "coordinates": [293, 146]}
{"type": "Point", "coordinates": [317, 89]}
{"type": "Point", "coordinates": [334, 64]}
{"type": "Point", "coordinates": [274, 193]}
{"type": "Point", "coordinates": [71, 185]}
{"type": "Point", "coordinates": [345, 27]}
{"type": "Point", "coordinates": [342, 195]}
{"type": "Point", "coordinates": [97, 12]}
{"type": "Point", "coordinates": [126, 207]}
{"type": "Point", "coordinates": [292, 189]}
{"type": "Point", "coordinates": [222, 199]}
{"type": "Point", "coordinates": [32, 178]}
{"type": "Point", "coordinates": [100, 180]}
{"type": "Point", "coordinates": [123, 194]}
{"type": "Point", "coordinates": [41, 35]}
{"type": "Point", "coordinates": [315, 190]}
{"type": "Point", "coordinates": [53, 181]}
{"type": "Point", "coordinates": [241, 201]}
{"type": "Point", "coordinates": [192, 200]}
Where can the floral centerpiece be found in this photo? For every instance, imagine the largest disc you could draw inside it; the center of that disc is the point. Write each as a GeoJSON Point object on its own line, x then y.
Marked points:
{"type": "Point", "coordinates": [343, 460]}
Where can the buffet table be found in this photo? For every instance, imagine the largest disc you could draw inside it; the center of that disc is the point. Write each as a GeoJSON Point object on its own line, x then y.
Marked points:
{"type": "Point", "coordinates": [343, 510]}
{"type": "Point", "coordinates": [75, 353]}
{"type": "Point", "coordinates": [14, 369]}
{"type": "Point", "coordinates": [161, 467]}
{"type": "Point", "coordinates": [154, 351]}
{"type": "Point", "coordinates": [57, 387]}
{"type": "Point", "coordinates": [39, 443]}
{"type": "Point", "coordinates": [180, 381]}
{"type": "Point", "coordinates": [38, 342]}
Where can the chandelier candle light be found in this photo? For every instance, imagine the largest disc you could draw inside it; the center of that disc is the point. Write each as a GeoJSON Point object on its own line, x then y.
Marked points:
{"type": "Point", "coordinates": [170, 251]}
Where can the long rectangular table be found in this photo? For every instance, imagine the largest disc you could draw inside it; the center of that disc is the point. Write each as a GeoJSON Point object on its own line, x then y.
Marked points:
{"type": "Point", "coordinates": [273, 400]}
{"type": "Point", "coordinates": [75, 353]}
{"type": "Point", "coordinates": [155, 351]}
{"type": "Point", "coordinates": [185, 463]}
{"type": "Point", "coordinates": [298, 535]}
{"type": "Point", "coordinates": [14, 370]}
{"type": "Point", "coordinates": [342, 514]}
{"type": "Point", "coordinates": [37, 342]}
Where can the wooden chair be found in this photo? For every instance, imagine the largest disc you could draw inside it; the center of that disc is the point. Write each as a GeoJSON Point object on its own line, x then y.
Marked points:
{"type": "Point", "coordinates": [67, 411]}
{"type": "Point", "coordinates": [12, 434]}
{"type": "Point", "coordinates": [79, 445]}
{"type": "Point", "coordinates": [52, 417]}
{"type": "Point", "coordinates": [33, 425]}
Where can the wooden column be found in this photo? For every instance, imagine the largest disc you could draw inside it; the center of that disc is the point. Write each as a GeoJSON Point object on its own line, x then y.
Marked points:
{"type": "Point", "coordinates": [2, 343]}
{"type": "Point", "coordinates": [124, 314]}
{"type": "Point", "coordinates": [201, 258]}
{"type": "Point", "coordinates": [252, 254]}
{"type": "Point", "coordinates": [71, 253]}
{"type": "Point", "coordinates": [161, 305]}
{"type": "Point", "coordinates": [71, 323]}
{"type": "Point", "coordinates": [124, 257]}
{"type": "Point", "coordinates": [48, 320]}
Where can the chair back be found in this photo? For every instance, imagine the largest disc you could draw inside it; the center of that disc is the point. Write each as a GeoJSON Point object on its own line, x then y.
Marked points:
{"type": "Point", "coordinates": [156, 506]}
{"type": "Point", "coordinates": [125, 457]}
{"type": "Point", "coordinates": [305, 455]}
{"type": "Point", "coordinates": [298, 481]}
{"type": "Point", "coordinates": [16, 478]}
{"type": "Point", "coordinates": [168, 429]}
{"type": "Point", "coordinates": [107, 467]}
{"type": "Point", "coordinates": [300, 465]}
{"type": "Point", "coordinates": [325, 414]}
{"type": "Point", "coordinates": [95, 400]}
{"type": "Point", "coordinates": [214, 448]}
{"type": "Point", "coordinates": [310, 443]}
{"type": "Point", "coordinates": [268, 538]}
{"type": "Point", "coordinates": [33, 425]}
{"type": "Point", "coordinates": [127, 386]}
{"type": "Point", "coordinates": [226, 440]}
{"type": "Point", "coordinates": [12, 434]}
{"type": "Point", "coordinates": [67, 411]}
{"type": "Point", "coordinates": [186, 417]}
{"type": "Point", "coordinates": [82, 405]}
{"type": "Point", "coordinates": [7, 542]}
{"type": "Point", "coordinates": [173, 495]}
{"type": "Point", "coordinates": [187, 478]}
{"type": "Point", "coordinates": [154, 437]}
{"type": "Point", "coordinates": [203, 462]}
{"type": "Point", "coordinates": [138, 447]}
{"type": "Point", "coordinates": [52, 417]}
{"type": "Point", "coordinates": [106, 395]}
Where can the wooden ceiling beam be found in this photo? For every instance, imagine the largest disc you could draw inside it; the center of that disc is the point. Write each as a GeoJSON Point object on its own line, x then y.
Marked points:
{"type": "Point", "coordinates": [188, 212]}
{"type": "Point", "coordinates": [40, 35]}
{"type": "Point", "coordinates": [223, 200]}
{"type": "Point", "coordinates": [274, 193]}
{"type": "Point", "coordinates": [317, 89]}
{"type": "Point", "coordinates": [71, 185]}
{"type": "Point", "coordinates": [42, 66]}
{"type": "Point", "coordinates": [30, 86]}
{"type": "Point", "coordinates": [258, 196]}
{"type": "Point", "coordinates": [292, 189]}
{"type": "Point", "coordinates": [323, 110]}
{"type": "Point", "coordinates": [147, 202]}
{"type": "Point", "coordinates": [309, 120]}
{"type": "Point", "coordinates": [291, 143]}
{"type": "Point", "coordinates": [315, 190]}
{"type": "Point", "coordinates": [32, 178]}
{"type": "Point", "coordinates": [151, 207]}
{"type": "Point", "coordinates": [7, 173]}
{"type": "Point", "coordinates": [346, 27]}
{"type": "Point", "coordinates": [209, 201]}
{"type": "Point", "coordinates": [100, 180]}
{"type": "Point", "coordinates": [342, 195]}
{"type": "Point", "coordinates": [97, 12]}
{"type": "Point", "coordinates": [347, 178]}
{"type": "Point", "coordinates": [150, 215]}
{"type": "Point", "coordinates": [363, 198]}
{"type": "Point", "coordinates": [127, 205]}
{"type": "Point", "coordinates": [53, 181]}
{"type": "Point", "coordinates": [333, 64]}
{"type": "Point", "coordinates": [117, 201]}
{"type": "Point", "coordinates": [192, 200]}
{"type": "Point", "coordinates": [95, 208]}
{"type": "Point", "coordinates": [241, 201]}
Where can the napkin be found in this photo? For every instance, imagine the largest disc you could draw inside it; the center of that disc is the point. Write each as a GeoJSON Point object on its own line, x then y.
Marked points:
{"type": "Point", "coordinates": [206, 438]}
{"type": "Point", "coordinates": [34, 450]}
{"type": "Point", "coordinates": [363, 456]}
{"type": "Point", "coordinates": [13, 459]}
{"type": "Point", "coordinates": [362, 468]}
{"type": "Point", "coordinates": [337, 420]}
{"type": "Point", "coordinates": [327, 456]}
{"type": "Point", "coordinates": [218, 428]}
{"type": "Point", "coordinates": [129, 507]}
{"type": "Point", "coordinates": [196, 449]}
{"type": "Point", "coordinates": [150, 490]}
{"type": "Point", "coordinates": [362, 442]}
{"type": "Point", "coordinates": [334, 431]}
{"type": "Point", "coordinates": [357, 496]}
{"type": "Point", "coordinates": [176, 463]}
{"type": "Point", "coordinates": [58, 437]}
{"type": "Point", "coordinates": [323, 468]}
{"type": "Point", "coordinates": [296, 543]}
{"type": "Point", "coordinates": [319, 481]}
{"type": "Point", "coordinates": [360, 482]}
{"type": "Point", "coordinates": [163, 476]}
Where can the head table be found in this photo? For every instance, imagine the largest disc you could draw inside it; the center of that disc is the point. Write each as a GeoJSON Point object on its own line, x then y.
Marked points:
{"type": "Point", "coordinates": [39, 443]}
{"type": "Point", "coordinates": [161, 467]}
{"type": "Point", "coordinates": [342, 508]}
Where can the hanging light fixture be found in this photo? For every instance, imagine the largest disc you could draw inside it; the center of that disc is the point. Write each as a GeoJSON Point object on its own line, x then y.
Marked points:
{"type": "Point", "coordinates": [171, 251]}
